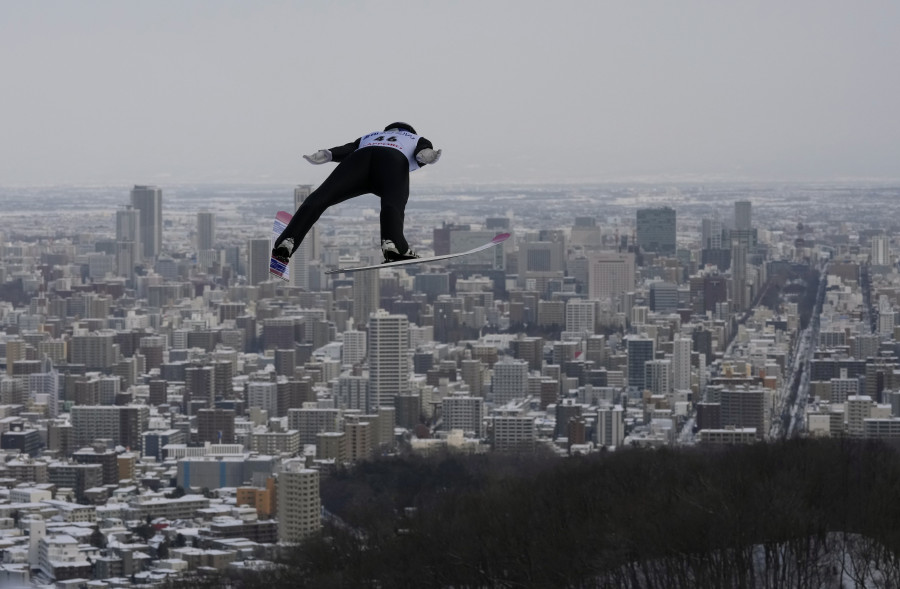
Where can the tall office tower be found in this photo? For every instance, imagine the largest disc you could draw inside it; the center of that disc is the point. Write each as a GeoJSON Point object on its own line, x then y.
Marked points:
{"type": "Point", "coordinates": [45, 385]}
{"type": "Point", "coordinates": [681, 364]}
{"type": "Point", "coordinates": [148, 200]}
{"type": "Point", "coordinates": [353, 349]}
{"type": "Point", "coordinates": [743, 215]}
{"type": "Point", "coordinates": [129, 248]}
{"type": "Point", "coordinates": [388, 346]}
{"type": "Point", "coordinates": [663, 297]}
{"type": "Point", "coordinates": [580, 316]}
{"type": "Point", "coordinates": [656, 230]}
{"type": "Point", "coordinates": [298, 502]}
{"type": "Point", "coordinates": [215, 426]}
{"type": "Point", "coordinates": [259, 252]}
{"type": "Point", "coordinates": [366, 295]}
{"type": "Point", "coordinates": [465, 413]}
{"type": "Point", "coordinates": [611, 426]}
{"type": "Point", "coordinates": [206, 230]}
{"type": "Point", "coordinates": [307, 250]}
{"type": "Point", "coordinates": [711, 234]}
{"type": "Point", "coordinates": [610, 274]}
{"type": "Point", "coordinates": [658, 376]}
{"type": "Point", "coordinates": [509, 380]}
{"type": "Point", "coordinates": [881, 250]}
{"type": "Point", "coordinates": [640, 350]}
{"type": "Point", "coordinates": [739, 277]}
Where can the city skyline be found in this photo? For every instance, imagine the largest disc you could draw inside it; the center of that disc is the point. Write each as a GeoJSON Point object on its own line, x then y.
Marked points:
{"type": "Point", "coordinates": [186, 393]}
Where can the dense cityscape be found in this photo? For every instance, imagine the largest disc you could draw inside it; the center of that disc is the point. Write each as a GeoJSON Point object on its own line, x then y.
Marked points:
{"type": "Point", "coordinates": [168, 407]}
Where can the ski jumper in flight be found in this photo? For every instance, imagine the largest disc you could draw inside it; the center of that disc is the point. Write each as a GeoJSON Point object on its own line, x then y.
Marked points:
{"type": "Point", "coordinates": [378, 163]}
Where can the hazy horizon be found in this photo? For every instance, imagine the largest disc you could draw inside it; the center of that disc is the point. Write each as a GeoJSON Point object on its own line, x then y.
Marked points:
{"type": "Point", "coordinates": [99, 92]}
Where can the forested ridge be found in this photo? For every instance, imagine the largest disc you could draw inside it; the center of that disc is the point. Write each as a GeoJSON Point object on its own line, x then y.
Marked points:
{"type": "Point", "coordinates": [801, 513]}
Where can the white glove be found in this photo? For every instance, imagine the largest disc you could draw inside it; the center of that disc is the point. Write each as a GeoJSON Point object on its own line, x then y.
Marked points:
{"type": "Point", "coordinates": [320, 157]}
{"type": "Point", "coordinates": [428, 156]}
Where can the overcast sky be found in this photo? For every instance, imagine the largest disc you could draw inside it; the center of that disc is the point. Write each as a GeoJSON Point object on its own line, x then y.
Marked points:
{"type": "Point", "coordinates": [520, 91]}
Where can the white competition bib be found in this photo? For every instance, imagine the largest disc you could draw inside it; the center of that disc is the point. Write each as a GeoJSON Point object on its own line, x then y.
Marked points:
{"type": "Point", "coordinates": [402, 141]}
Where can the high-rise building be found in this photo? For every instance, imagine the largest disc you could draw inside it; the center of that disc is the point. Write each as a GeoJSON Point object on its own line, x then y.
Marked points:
{"type": "Point", "coordinates": [97, 351]}
{"type": "Point", "coordinates": [711, 234]}
{"type": "Point", "coordinates": [259, 253]}
{"type": "Point", "coordinates": [129, 248]}
{"type": "Point", "coordinates": [656, 230]}
{"type": "Point", "coordinates": [358, 439]}
{"type": "Point", "coordinates": [310, 421]}
{"type": "Point", "coordinates": [472, 372]}
{"type": "Point", "coordinates": [388, 356]}
{"type": "Point", "coordinates": [298, 503]}
{"type": "Point", "coordinates": [125, 425]}
{"type": "Point", "coordinates": [366, 294]}
{"type": "Point", "coordinates": [881, 250]}
{"type": "Point", "coordinates": [739, 277]}
{"type": "Point", "coordinates": [148, 200]}
{"type": "Point", "coordinates": [663, 297]}
{"type": "Point", "coordinates": [610, 274]}
{"type": "Point", "coordinates": [857, 409]}
{"type": "Point", "coordinates": [353, 348]}
{"type": "Point", "coordinates": [206, 230]}
{"type": "Point", "coordinates": [681, 364]}
{"type": "Point", "coordinates": [490, 259]}
{"type": "Point", "coordinates": [353, 392]}
{"type": "Point", "coordinates": [199, 387]}
{"type": "Point", "coordinates": [215, 426]}
{"type": "Point", "coordinates": [743, 215]}
{"type": "Point", "coordinates": [611, 426]}
{"type": "Point", "coordinates": [44, 385]}
{"type": "Point", "coordinates": [263, 394]}
{"type": "Point", "coordinates": [580, 316]}
{"type": "Point", "coordinates": [541, 256]}
{"type": "Point", "coordinates": [640, 350]}
{"type": "Point", "coordinates": [509, 380]}
{"type": "Point", "coordinates": [306, 251]}
{"type": "Point", "coordinates": [744, 408]}
{"type": "Point", "coordinates": [658, 376]}
{"type": "Point", "coordinates": [513, 433]}
{"type": "Point", "coordinates": [463, 412]}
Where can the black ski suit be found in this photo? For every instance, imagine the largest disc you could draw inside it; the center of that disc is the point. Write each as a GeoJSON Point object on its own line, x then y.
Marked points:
{"type": "Point", "coordinates": [382, 171]}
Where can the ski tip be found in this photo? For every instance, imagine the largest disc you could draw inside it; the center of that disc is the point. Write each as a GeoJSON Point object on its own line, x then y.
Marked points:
{"type": "Point", "coordinates": [500, 237]}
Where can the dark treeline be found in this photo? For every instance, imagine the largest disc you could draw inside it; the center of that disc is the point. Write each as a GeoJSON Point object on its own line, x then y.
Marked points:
{"type": "Point", "coordinates": [797, 514]}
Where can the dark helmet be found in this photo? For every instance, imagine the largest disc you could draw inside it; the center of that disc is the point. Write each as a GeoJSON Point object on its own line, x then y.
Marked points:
{"type": "Point", "coordinates": [402, 126]}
